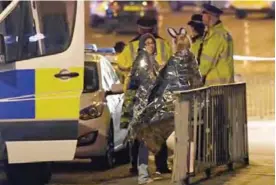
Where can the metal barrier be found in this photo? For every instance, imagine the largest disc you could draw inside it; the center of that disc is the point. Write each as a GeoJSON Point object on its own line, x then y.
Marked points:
{"type": "Point", "coordinates": [210, 130]}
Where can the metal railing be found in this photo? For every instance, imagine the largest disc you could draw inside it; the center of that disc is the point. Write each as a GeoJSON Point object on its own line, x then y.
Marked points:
{"type": "Point", "coordinates": [210, 130]}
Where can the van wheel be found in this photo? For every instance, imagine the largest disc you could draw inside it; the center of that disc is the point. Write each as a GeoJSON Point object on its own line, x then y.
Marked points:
{"type": "Point", "coordinates": [29, 173]}
{"type": "Point", "coordinates": [108, 160]}
{"type": "Point", "coordinates": [46, 172]}
{"type": "Point", "coordinates": [241, 14]}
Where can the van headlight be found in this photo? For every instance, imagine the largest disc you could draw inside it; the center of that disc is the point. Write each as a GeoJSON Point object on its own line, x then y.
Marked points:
{"type": "Point", "coordinates": [91, 112]}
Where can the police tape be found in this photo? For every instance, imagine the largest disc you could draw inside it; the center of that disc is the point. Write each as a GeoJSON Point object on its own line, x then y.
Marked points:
{"type": "Point", "coordinates": [253, 59]}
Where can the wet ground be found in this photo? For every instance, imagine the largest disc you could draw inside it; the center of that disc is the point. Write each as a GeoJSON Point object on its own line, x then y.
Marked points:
{"type": "Point", "coordinates": [260, 171]}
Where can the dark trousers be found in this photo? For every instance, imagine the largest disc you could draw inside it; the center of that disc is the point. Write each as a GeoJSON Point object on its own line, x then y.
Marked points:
{"type": "Point", "coordinates": [160, 158]}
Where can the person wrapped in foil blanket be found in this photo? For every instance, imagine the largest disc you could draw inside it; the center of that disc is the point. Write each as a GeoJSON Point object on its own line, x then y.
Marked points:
{"type": "Point", "coordinates": [142, 79]}
{"type": "Point", "coordinates": [155, 122]}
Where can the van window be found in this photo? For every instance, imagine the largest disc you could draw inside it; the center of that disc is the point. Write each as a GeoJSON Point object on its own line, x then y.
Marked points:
{"type": "Point", "coordinates": [46, 31]}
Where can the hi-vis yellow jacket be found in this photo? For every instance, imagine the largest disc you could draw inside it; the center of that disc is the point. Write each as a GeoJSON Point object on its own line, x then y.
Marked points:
{"type": "Point", "coordinates": [126, 58]}
{"type": "Point", "coordinates": [216, 60]}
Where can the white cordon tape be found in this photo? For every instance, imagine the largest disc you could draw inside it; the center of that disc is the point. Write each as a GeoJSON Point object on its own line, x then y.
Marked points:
{"type": "Point", "coordinates": [253, 59]}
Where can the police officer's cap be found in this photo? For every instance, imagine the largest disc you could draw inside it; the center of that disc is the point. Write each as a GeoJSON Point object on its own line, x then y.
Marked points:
{"type": "Point", "coordinates": [147, 22]}
{"type": "Point", "coordinates": [212, 9]}
{"type": "Point", "coordinates": [195, 19]}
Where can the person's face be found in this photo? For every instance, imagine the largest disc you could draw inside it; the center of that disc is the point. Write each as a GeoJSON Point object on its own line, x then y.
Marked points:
{"type": "Point", "coordinates": [205, 17]}
{"type": "Point", "coordinates": [191, 31]}
{"type": "Point", "coordinates": [150, 46]}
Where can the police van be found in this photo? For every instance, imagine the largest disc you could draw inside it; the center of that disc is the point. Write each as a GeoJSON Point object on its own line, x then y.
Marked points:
{"type": "Point", "coordinates": [41, 80]}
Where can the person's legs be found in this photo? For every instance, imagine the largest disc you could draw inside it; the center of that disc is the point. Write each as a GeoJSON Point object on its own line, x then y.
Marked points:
{"type": "Point", "coordinates": [134, 148]}
{"type": "Point", "coordinates": [161, 160]}
{"type": "Point", "coordinates": [143, 173]}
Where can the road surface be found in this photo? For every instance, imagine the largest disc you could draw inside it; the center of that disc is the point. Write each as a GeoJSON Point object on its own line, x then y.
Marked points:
{"type": "Point", "coordinates": [260, 171]}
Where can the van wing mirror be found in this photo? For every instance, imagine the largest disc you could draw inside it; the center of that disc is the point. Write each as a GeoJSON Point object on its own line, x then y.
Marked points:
{"type": "Point", "coordinates": [2, 50]}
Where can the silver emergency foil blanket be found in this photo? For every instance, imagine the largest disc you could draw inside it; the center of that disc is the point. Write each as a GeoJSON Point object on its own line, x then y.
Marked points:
{"type": "Point", "coordinates": [154, 122]}
{"type": "Point", "coordinates": [142, 79]}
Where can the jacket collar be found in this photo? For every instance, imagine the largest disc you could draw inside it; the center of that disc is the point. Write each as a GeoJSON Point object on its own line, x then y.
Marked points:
{"type": "Point", "coordinates": [214, 28]}
{"type": "Point", "coordinates": [195, 38]}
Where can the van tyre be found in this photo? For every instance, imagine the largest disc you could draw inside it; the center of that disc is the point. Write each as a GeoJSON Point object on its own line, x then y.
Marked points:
{"type": "Point", "coordinates": [29, 173]}
{"type": "Point", "coordinates": [46, 172]}
{"type": "Point", "coordinates": [108, 160]}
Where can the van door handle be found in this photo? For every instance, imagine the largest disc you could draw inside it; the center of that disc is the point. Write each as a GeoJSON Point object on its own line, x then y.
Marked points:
{"type": "Point", "coordinates": [65, 74]}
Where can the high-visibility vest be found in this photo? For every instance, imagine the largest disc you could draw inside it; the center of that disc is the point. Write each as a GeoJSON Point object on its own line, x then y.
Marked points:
{"type": "Point", "coordinates": [126, 58]}
{"type": "Point", "coordinates": [216, 60]}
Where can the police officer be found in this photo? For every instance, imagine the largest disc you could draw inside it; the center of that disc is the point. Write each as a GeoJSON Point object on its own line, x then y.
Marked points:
{"type": "Point", "coordinates": [164, 50]}
{"type": "Point", "coordinates": [125, 61]}
{"type": "Point", "coordinates": [197, 29]}
{"type": "Point", "coordinates": [216, 60]}
{"type": "Point", "coordinates": [119, 47]}
{"type": "Point", "coordinates": [217, 66]}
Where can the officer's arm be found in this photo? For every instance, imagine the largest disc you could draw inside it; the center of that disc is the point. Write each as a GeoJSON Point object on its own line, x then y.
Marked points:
{"type": "Point", "coordinates": [124, 65]}
{"type": "Point", "coordinates": [210, 54]}
{"type": "Point", "coordinates": [123, 60]}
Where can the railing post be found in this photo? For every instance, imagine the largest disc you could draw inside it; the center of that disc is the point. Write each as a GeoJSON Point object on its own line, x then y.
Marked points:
{"type": "Point", "coordinates": [181, 155]}
{"type": "Point", "coordinates": [194, 144]}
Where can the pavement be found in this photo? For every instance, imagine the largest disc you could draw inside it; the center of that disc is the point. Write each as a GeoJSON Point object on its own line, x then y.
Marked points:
{"type": "Point", "coordinates": [260, 171]}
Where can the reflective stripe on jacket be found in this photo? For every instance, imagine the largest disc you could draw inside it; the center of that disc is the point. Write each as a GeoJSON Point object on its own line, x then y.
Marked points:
{"type": "Point", "coordinates": [216, 60]}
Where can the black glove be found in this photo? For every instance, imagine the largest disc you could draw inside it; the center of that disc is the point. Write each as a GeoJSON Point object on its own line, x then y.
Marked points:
{"type": "Point", "coordinates": [203, 79]}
